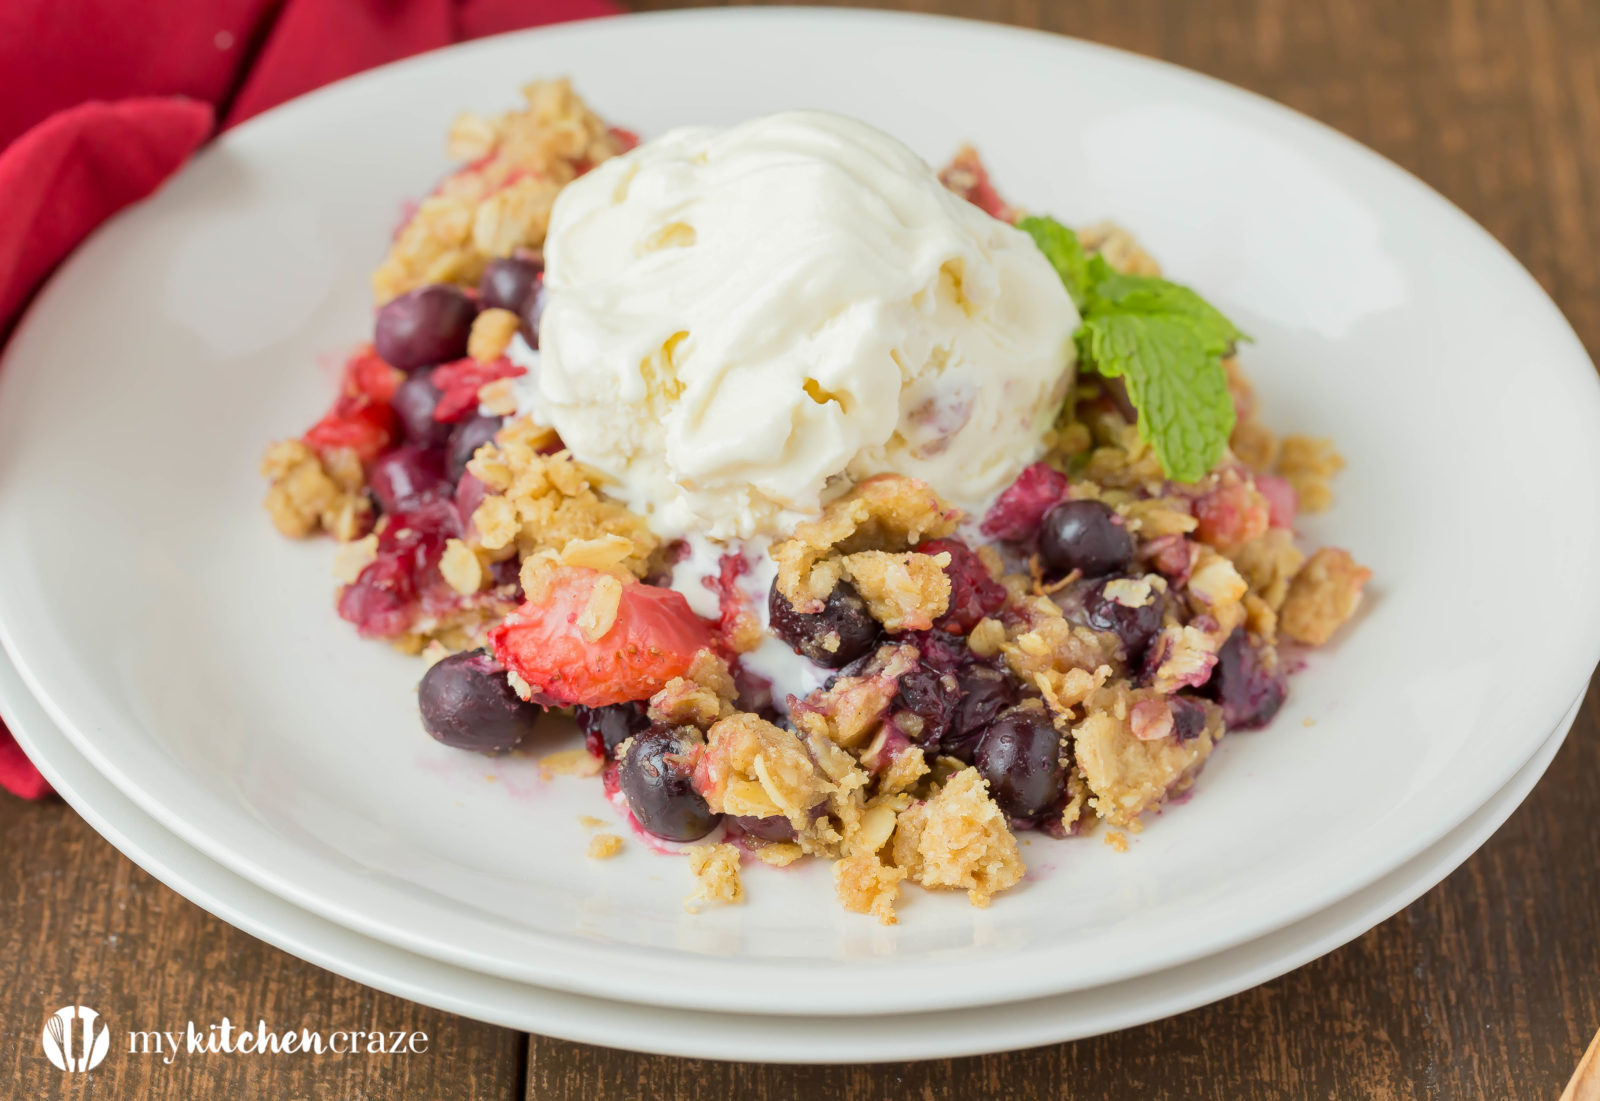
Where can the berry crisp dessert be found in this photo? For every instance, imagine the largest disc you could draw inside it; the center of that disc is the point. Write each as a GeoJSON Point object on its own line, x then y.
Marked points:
{"type": "Point", "coordinates": [851, 512]}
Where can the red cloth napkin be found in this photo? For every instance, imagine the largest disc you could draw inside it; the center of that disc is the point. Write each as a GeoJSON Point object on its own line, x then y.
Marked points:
{"type": "Point", "coordinates": [106, 99]}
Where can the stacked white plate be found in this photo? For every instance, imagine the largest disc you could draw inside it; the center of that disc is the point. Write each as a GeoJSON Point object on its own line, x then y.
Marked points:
{"type": "Point", "coordinates": [184, 682]}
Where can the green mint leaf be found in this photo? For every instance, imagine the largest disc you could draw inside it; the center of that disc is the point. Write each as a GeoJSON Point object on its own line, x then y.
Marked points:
{"type": "Point", "coordinates": [1162, 339]}
{"type": "Point", "coordinates": [1166, 343]}
{"type": "Point", "coordinates": [1060, 246]}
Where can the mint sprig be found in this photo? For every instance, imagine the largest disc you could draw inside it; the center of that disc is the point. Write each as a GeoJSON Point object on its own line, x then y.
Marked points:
{"type": "Point", "coordinates": [1162, 339]}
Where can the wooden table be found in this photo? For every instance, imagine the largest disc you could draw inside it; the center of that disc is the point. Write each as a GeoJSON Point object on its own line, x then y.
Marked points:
{"type": "Point", "coordinates": [1489, 987]}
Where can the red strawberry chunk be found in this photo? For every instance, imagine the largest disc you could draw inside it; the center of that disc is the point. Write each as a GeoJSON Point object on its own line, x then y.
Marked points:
{"type": "Point", "coordinates": [460, 381]}
{"type": "Point", "coordinates": [360, 419]}
{"type": "Point", "coordinates": [365, 373]}
{"type": "Point", "coordinates": [1020, 508]}
{"type": "Point", "coordinates": [653, 638]}
{"type": "Point", "coordinates": [358, 423]}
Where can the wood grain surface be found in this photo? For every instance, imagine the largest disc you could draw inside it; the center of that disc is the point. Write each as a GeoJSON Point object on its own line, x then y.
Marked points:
{"type": "Point", "coordinates": [1489, 987]}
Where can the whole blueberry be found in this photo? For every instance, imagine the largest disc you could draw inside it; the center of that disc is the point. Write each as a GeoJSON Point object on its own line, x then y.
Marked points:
{"type": "Point", "coordinates": [932, 697]}
{"type": "Point", "coordinates": [465, 439]}
{"type": "Point", "coordinates": [841, 632]}
{"type": "Point", "coordinates": [985, 692]}
{"type": "Point", "coordinates": [532, 312]}
{"type": "Point", "coordinates": [424, 327]}
{"type": "Point", "coordinates": [405, 474]}
{"type": "Point", "coordinates": [1250, 693]}
{"type": "Point", "coordinates": [413, 404]}
{"type": "Point", "coordinates": [1188, 718]}
{"type": "Point", "coordinates": [1087, 536]}
{"type": "Point", "coordinates": [1134, 625]}
{"type": "Point", "coordinates": [654, 773]}
{"type": "Point", "coordinates": [775, 828]}
{"type": "Point", "coordinates": [467, 702]}
{"type": "Point", "coordinates": [605, 728]}
{"type": "Point", "coordinates": [1020, 756]}
{"type": "Point", "coordinates": [508, 282]}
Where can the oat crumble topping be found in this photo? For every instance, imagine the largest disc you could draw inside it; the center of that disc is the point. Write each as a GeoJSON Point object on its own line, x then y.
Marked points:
{"type": "Point", "coordinates": [716, 874]}
{"type": "Point", "coordinates": [500, 200]}
{"type": "Point", "coordinates": [889, 512]}
{"type": "Point", "coordinates": [958, 839]}
{"type": "Point", "coordinates": [603, 846]}
{"type": "Point", "coordinates": [1323, 595]}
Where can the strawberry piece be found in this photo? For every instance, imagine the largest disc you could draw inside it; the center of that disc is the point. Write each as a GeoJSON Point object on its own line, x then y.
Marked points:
{"type": "Point", "coordinates": [460, 381]}
{"type": "Point", "coordinates": [360, 419]}
{"type": "Point", "coordinates": [358, 423]}
{"type": "Point", "coordinates": [366, 374]}
{"type": "Point", "coordinates": [653, 638]}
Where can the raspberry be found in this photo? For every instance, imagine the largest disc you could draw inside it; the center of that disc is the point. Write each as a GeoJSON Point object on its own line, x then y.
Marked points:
{"type": "Point", "coordinates": [732, 607]}
{"type": "Point", "coordinates": [973, 593]}
{"type": "Point", "coordinates": [1231, 514]}
{"type": "Point", "coordinates": [1282, 501]}
{"type": "Point", "coordinates": [404, 579]}
{"type": "Point", "coordinates": [1016, 514]}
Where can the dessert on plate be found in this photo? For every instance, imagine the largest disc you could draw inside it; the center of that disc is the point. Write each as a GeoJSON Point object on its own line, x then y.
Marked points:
{"type": "Point", "coordinates": [850, 511]}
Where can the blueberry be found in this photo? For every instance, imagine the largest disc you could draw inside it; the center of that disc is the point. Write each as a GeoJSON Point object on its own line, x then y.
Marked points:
{"type": "Point", "coordinates": [532, 312]}
{"type": "Point", "coordinates": [413, 405]}
{"type": "Point", "coordinates": [654, 774]}
{"type": "Point", "coordinates": [605, 728]}
{"type": "Point", "coordinates": [985, 692]}
{"type": "Point", "coordinates": [1250, 693]}
{"type": "Point", "coordinates": [1087, 536]}
{"type": "Point", "coordinates": [931, 697]}
{"type": "Point", "coordinates": [1188, 718]}
{"type": "Point", "coordinates": [466, 438]}
{"type": "Point", "coordinates": [467, 702]}
{"type": "Point", "coordinates": [424, 327]}
{"type": "Point", "coordinates": [508, 282]}
{"type": "Point", "coordinates": [1020, 757]}
{"type": "Point", "coordinates": [842, 632]}
{"type": "Point", "coordinates": [1134, 626]}
{"type": "Point", "coordinates": [775, 828]}
{"type": "Point", "coordinates": [405, 474]}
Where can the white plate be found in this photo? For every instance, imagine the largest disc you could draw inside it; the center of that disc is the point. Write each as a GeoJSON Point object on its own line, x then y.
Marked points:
{"type": "Point", "coordinates": [191, 654]}
{"type": "Point", "coordinates": [757, 1037]}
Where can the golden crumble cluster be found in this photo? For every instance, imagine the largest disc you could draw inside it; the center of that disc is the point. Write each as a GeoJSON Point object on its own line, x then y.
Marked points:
{"type": "Point", "coordinates": [513, 166]}
{"type": "Point", "coordinates": [542, 499]}
{"type": "Point", "coordinates": [309, 493]}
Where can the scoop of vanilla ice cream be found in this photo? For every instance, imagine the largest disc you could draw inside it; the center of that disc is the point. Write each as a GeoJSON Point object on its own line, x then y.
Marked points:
{"type": "Point", "coordinates": [740, 323]}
